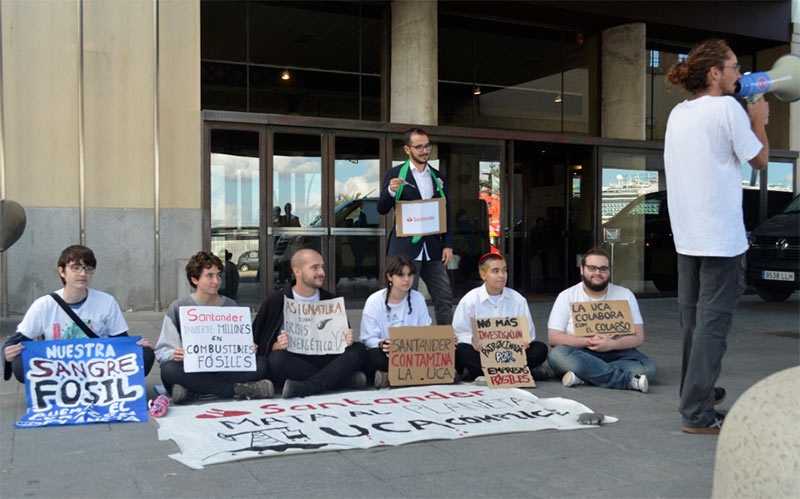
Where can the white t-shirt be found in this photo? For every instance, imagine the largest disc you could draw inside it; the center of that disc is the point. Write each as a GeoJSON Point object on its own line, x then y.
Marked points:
{"type": "Point", "coordinates": [478, 304]}
{"type": "Point", "coordinates": [376, 320]}
{"type": "Point", "coordinates": [100, 311]}
{"type": "Point", "coordinates": [706, 142]}
{"type": "Point", "coordinates": [561, 317]}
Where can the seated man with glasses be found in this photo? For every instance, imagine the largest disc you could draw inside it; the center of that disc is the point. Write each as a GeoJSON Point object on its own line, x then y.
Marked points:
{"type": "Point", "coordinates": [603, 360]}
{"type": "Point", "coordinates": [45, 317]}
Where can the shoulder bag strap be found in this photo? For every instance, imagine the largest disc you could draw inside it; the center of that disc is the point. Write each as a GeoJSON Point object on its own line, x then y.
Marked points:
{"type": "Point", "coordinates": [73, 315]}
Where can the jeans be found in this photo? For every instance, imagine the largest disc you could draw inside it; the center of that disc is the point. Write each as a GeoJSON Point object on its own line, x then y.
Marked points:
{"type": "Point", "coordinates": [708, 289]}
{"type": "Point", "coordinates": [215, 383]}
{"type": "Point", "coordinates": [317, 372]}
{"type": "Point", "coordinates": [468, 358]}
{"type": "Point", "coordinates": [434, 273]}
{"type": "Point", "coordinates": [612, 369]}
{"type": "Point", "coordinates": [377, 360]}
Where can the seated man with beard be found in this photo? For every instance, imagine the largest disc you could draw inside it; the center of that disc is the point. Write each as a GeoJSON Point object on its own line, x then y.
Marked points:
{"type": "Point", "coordinates": [608, 361]}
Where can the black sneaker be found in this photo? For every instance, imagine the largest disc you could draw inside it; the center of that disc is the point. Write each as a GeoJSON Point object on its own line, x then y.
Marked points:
{"type": "Point", "coordinates": [292, 388]}
{"type": "Point", "coordinates": [719, 395]}
{"type": "Point", "coordinates": [713, 428]}
{"type": "Point", "coordinates": [356, 381]}
{"type": "Point", "coordinates": [260, 389]}
{"type": "Point", "coordinates": [539, 373]}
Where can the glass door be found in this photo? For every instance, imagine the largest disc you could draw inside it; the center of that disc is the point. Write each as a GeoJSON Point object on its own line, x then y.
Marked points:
{"type": "Point", "coordinates": [357, 230]}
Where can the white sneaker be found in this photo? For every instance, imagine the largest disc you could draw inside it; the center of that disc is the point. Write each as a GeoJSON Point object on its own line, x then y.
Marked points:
{"type": "Point", "coordinates": [639, 382]}
{"type": "Point", "coordinates": [480, 381]}
{"type": "Point", "coordinates": [570, 379]}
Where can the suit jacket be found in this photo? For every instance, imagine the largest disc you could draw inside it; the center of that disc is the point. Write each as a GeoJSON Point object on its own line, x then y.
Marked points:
{"type": "Point", "coordinates": [403, 245]}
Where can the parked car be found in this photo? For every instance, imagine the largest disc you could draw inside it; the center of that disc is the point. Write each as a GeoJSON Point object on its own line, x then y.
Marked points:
{"type": "Point", "coordinates": [773, 260]}
{"type": "Point", "coordinates": [247, 260]}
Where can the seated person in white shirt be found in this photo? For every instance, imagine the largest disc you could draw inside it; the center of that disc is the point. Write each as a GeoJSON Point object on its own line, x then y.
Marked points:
{"type": "Point", "coordinates": [493, 299]}
{"type": "Point", "coordinates": [204, 273]}
{"type": "Point", "coordinates": [45, 317]}
{"type": "Point", "coordinates": [603, 360]}
{"type": "Point", "coordinates": [397, 305]}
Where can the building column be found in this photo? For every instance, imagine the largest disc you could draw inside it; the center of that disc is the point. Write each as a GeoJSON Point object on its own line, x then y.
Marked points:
{"type": "Point", "coordinates": [414, 62]}
{"type": "Point", "coordinates": [624, 76]}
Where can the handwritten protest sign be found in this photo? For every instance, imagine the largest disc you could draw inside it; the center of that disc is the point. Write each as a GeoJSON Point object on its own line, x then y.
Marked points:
{"type": "Point", "coordinates": [502, 350]}
{"type": "Point", "coordinates": [217, 339]}
{"type": "Point", "coordinates": [223, 431]}
{"type": "Point", "coordinates": [421, 355]}
{"type": "Point", "coordinates": [72, 382]}
{"type": "Point", "coordinates": [315, 327]}
{"type": "Point", "coordinates": [606, 317]}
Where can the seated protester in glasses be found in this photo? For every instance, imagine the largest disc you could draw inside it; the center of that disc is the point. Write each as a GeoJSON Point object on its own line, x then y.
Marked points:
{"type": "Point", "coordinates": [46, 318]}
{"type": "Point", "coordinates": [493, 299]}
{"type": "Point", "coordinates": [397, 305]}
{"type": "Point", "coordinates": [603, 360]}
{"type": "Point", "coordinates": [301, 374]}
{"type": "Point", "coordinates": [204, 273]}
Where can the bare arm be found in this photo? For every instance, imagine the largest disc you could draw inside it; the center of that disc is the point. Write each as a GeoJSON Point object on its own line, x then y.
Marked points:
{"type": "Point", "coordinates": [759, 116]}
{"type": "Point", "coordinates": [606, 342]}
{"type": "Point", "coordinates": [556, 337]}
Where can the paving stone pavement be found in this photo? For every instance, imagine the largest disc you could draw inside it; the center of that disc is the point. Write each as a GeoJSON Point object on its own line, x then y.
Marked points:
{"type": "Point", "coordinates": [644, 455]}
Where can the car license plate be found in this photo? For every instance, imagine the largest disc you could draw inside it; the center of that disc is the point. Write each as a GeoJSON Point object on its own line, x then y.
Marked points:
{"type": "Point", "coordinates": [772, 275]}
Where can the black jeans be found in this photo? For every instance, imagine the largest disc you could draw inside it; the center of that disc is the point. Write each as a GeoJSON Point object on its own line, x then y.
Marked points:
{"type": "Point", "coordinates": [708, 289]}
{"type": "Point", "coordinates": [318, 372]}
{"type": "Point", "coordinates": [434, 273]}
{"type": "Point", "coordinates": [148, 355]}
{"type": "Point", "coordinates": [468, 358]}
{"type": "Point", "coordinates": [377, 360]}
{"type": "Point", "coordinates": [215, 383]}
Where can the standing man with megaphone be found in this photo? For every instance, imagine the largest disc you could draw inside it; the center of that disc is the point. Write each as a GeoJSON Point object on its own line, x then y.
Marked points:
{"type": "Point", "coordinates": [708, 137]}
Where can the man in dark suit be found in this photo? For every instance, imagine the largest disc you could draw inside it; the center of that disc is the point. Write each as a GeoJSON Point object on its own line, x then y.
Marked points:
{"type": "Point", "coordinates": [431, 253]}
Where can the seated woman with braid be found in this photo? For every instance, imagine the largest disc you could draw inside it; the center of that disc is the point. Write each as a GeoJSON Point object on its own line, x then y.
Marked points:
{"type": "Point", "coordinates": [204, 272]}
{"type": "Point", "coordinates": [397, 305]}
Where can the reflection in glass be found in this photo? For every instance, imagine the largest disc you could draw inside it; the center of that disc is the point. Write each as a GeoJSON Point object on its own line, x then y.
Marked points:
{"type": "Point", "coordinates": [285, 246]}
{"type": "Point", "coordinates": [357, 182]}
{"type": "Point", "coordinates": [780, 183]}
{"type": "Point", "coordinates": [357, 260]}
{"type": "Point", "coordinates": [235, 212]}
{"type": "Point", "coordinates": [634, 200]}
{"type": "Point", "coordinates": [297, 181]}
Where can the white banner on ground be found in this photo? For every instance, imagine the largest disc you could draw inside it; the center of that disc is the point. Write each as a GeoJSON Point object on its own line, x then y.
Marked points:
{"type": "Point", "coordinates": [219, 432]}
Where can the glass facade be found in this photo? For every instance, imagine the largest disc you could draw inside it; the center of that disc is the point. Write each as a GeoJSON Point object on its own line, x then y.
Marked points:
{"type": "Point", "coordinates": [499, 75]}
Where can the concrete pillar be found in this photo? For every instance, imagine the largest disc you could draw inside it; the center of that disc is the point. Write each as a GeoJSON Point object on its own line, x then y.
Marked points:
{"type": "Point", "coordinates": [757, 450]}
{"type": "Point", "coordinates": [624, 78]}
{"type": "Point", "coordinates": [415, 62]}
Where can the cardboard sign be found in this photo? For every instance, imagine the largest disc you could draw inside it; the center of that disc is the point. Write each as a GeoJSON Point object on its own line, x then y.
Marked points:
{"type": "Point", "coordinates": [420, 218]}
{"type": "Point", "coordinates": [315, 327]}
{"type": "Point", "coordinates": [217, 339]}
{"type": "Point", "coordinates": [502, 350]}
{"type": "Point", "coordinates": [73, 382]}
{"type": "Point", "coordinates": [607, 317]}
{"type": "Point", "coordinates": [421, 355]}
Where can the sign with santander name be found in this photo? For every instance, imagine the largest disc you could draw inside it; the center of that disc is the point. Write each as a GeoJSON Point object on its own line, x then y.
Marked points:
{"type": "Point", "coordinates": [217, 339]}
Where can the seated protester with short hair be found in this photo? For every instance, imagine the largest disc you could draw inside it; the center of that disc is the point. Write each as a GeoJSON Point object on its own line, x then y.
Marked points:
{"type": "Point", "coordinates": [99, 311]}
{"type": "Point", "coordinates": [397, 305]}
{"type": "Point", "coordinates": [493, 299]}
{"type": "Point", "coordinates": [204, 272]}
{"type": "Point", "coordinates": [303, 375]}
{"type": "Point", "coordinates": [603, 360]}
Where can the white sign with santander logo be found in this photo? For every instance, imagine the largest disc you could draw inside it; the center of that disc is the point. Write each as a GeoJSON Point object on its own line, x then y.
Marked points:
{"type": "Point", "coordinates": [421, 218]}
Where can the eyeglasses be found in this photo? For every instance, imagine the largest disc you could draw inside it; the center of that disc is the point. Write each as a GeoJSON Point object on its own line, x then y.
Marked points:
{"type": "Point", "coordinates": [421, 147]}
{"type": "Point", "coordinates": [736, 67]}
{"type": "Point", "coordinates": [77, 268]}
{"type": "Point", "coordinates": [594, 268]}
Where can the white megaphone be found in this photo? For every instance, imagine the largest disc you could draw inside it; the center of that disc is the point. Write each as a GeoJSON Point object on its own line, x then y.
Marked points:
{"type": "Point", "coordinates": [783, 80]}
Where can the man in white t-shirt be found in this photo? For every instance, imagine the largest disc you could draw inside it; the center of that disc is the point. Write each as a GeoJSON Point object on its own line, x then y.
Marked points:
{"type": "Point", "coordinates": [304, 375]}
{"type": "Point", "coordinates": [603, 360]}
{"type": "Point", "coordinates": [708, 137]}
